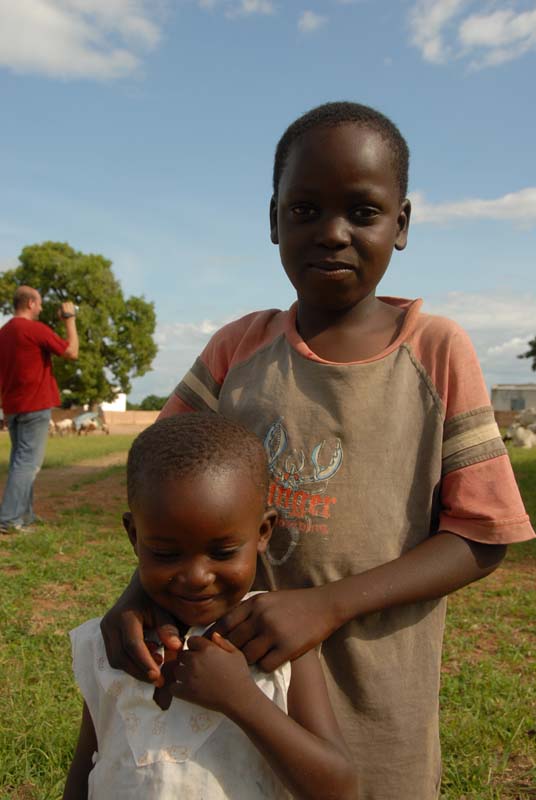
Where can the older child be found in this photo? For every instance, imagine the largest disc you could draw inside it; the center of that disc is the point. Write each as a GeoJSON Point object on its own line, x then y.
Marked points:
{"type": "Point", "coordinates": [197, 489]}
{"type": "Point", "coordinates": [389, 474]}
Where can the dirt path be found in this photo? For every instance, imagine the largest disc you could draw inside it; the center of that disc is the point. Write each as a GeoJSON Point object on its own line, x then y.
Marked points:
{"type": "Point", "coordinates": [90, 482]}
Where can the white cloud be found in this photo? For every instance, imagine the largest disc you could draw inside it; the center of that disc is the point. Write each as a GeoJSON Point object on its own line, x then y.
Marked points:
{"type": "Point", "coordinates": [256, 7]}
{"type": "Point", "coordinates": [428, 20]}
{"type": "Point", "coordinates": [505, 312]}
{"type": "Point", "coordinates": [309, 22]}
{"type": "Point", "coordinates": [443, 30]}
{"type": "Point", "coordinates": [239, 8]}
{"type": "Point", "coordinates": [506, 35]}
{"type": "Point", "coordinates": [500, 326]}
{"type": "Point", "coordinates": [96, 39]}
{"type": "Point", "coordinates": [518, 207]}
{"type": "Point", "coordinates": [179, 344]}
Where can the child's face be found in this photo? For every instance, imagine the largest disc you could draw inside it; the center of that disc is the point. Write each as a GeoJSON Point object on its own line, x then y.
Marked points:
{"type": "Point", "coordinates": [197, 542]}
{"type": "Point", "coordinates": [338, 215]}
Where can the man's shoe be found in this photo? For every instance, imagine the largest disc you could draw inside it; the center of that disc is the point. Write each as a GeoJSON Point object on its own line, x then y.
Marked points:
{"type": "Point", "coordinates": [36, 520]}
{"type": "Point", "coordinates": [7, 529]}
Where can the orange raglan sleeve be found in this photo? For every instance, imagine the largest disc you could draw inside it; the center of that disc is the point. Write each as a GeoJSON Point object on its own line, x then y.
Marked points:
{"type": "Point", "coordinates": [199, 389]}
{"type": "Point", "coordinates": [479, 497]}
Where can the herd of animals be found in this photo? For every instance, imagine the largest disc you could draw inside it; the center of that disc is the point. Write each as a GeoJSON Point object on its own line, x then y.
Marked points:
{"type": "Point", "coordinates": [83, 424]}
{"type": "Point", "coordinates": [522, 432]}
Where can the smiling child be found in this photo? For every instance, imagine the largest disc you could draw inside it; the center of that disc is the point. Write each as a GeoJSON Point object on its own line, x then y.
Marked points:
{"type": "Point", "coordinates": [197, 487]}
{"type": "Point", "coordinates": [391, 481]}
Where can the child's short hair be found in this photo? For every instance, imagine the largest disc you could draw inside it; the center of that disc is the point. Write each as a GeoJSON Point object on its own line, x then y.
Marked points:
{"type": "Point", "coordinates": [329, 115]}
{"type": "Point", "coordinates": [185, 445]}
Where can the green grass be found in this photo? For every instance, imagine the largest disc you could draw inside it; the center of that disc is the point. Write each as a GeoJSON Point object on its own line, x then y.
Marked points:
{"type": "Point", "coordinates": [524, 462]}
{"type": "Point", "coordinates": [68, 450]}
{"type": "Point", "coordinates": [54, 579]}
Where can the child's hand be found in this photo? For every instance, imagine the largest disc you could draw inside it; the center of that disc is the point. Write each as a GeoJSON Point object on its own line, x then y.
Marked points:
{"type": "Point", "coordinates": [122, 631]}
{"type": "Point", "coordinates": [274, 627]}
{"type": "Point", "coordinates": [211, 673]}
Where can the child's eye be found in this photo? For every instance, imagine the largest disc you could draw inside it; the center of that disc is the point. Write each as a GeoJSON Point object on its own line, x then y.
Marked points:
{"type": "Point", "coordinates": [222, 555]}
{"type": "Point", "coordinates": [303, 211]}
{"type": "Point", "coordinates": [364, 213]}
{"type": "Point", "coordinates": [163, 556]}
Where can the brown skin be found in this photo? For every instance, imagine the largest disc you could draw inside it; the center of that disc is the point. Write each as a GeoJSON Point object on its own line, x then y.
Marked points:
{"type": "Point", "coordinates": [336, 221]}
{"type": "Point", "coordinates": [76, 787]}
{"type": "Point", "coordinates": [337, 218]}
{"type": "Point", "coordinates": [197, 541]}
{"type": "Point", "coordinates": [304, 747]}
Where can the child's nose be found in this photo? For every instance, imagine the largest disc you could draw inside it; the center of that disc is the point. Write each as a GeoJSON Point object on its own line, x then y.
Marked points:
{"type": "Point", "coordinates": [195, 575]}
{"type": "Point", "coordinates": [334, 232]}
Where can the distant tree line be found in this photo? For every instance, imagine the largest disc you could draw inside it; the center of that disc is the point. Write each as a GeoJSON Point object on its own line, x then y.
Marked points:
{"type": "Point", "coordinates": [150, 403]}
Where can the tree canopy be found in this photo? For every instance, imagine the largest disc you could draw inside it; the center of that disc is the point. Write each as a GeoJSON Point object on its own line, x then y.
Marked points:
{"type": "Point", "coordinates": [116, 333]}
{"type": "Point", "coordinates": [153, 402]}
{"type": "Point", "coordinates": [531, 353]}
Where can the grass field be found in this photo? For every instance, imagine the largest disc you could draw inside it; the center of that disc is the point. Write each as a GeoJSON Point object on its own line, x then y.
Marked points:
{"type": "Point", "coordinates": [73, 567]}
{"type": "Point", "coordinates": [67, 450]}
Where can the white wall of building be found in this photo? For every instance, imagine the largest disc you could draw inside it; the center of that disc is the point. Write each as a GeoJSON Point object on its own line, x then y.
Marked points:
{"type": "Point", "coordinates": [119, 404]}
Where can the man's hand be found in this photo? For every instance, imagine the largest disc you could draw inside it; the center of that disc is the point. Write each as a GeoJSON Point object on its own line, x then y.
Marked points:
{"type": "Point", "coordinates": [122, 630]}
{"type": "Point", "coordinates": [274, 627]}
{"type": "Point", "coordinates": [211, 673]}
{"type": "Point", "coordinates": [66, 310]}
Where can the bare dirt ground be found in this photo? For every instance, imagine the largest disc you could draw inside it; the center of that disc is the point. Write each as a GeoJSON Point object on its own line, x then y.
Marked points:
{"type": "Point", "coordinates": [58, 489]}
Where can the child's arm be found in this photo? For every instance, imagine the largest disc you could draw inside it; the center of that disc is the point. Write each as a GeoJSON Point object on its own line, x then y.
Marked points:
{"type": "Point", "coordinates": [76, 785]}
{"type": "Point", "coordinates": [304, 748]}
{"type": "Point", "coordinates": [275, 627]}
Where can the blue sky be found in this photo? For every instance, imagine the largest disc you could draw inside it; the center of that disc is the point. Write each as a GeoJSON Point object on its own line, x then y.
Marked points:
{"type": "Point", "coordinates": [145, 130]}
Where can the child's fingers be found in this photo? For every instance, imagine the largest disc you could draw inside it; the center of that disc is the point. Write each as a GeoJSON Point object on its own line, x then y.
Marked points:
{"type": "Point", "coordinates": [139, 662]}
{"type": "Point", "coordinates": [166, 630]}
{"type": "Point", "coordinates": [234, 618]}
{"type": "Point", "coordinates": [272, 660]}
{"type": "Point", "coordinates": [243, 633]}
{"type": "Point", "coordinates": [224, 644]}
{"type": "Point", "coordinates": [257, 648]}
{"type": "Point", "coordinates": [198, 643]}
{"type": "Point", "coordinates": [127, 651]}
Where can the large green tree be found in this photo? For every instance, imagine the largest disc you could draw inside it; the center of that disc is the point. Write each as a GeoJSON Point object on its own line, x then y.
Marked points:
{"type": "Point", "coordinates": [116, 333]}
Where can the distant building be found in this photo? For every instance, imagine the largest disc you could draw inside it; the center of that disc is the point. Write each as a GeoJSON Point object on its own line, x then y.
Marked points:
{"type": "Point", "coordinates": [513, 396]}
{"type": "Point", "coordinates": [119, 403]}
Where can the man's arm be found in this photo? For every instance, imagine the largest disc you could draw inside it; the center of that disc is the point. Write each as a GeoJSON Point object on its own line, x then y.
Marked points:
{"type": "Point", "coordinates": [77, 778]}
{"type": "Point", "coordinates": [68, 314]}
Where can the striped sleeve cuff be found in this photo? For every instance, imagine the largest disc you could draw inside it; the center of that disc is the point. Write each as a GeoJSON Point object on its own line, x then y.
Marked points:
{"type": "Point", "coordinates": [198, 389]}
{"type": "Point", "coordinates": [471, 437]}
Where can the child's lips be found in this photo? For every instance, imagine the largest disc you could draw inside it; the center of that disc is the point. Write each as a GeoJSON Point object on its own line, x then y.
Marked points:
{"type": "Point", "coordinates": [202, 599]}
{"type": "Point", "coordinates": [333, 269]}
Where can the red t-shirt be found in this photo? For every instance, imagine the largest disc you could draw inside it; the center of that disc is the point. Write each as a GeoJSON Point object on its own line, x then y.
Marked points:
{"type": "Point", "coordinates": [26, 379]}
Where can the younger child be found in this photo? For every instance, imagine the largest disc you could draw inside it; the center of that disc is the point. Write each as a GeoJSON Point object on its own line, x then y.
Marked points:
{"type": "Point", "coordinates": [197, 487]}
{"type": "Point", "coordinates": [391, 480]}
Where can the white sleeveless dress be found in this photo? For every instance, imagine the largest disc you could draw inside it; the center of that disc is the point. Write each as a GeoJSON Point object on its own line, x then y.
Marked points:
{"type": "Point", "coordinates": [186, 752]}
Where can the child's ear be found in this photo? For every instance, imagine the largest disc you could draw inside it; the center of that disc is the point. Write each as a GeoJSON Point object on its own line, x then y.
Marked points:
{"type": "Point", "coordinates": [403, 225]}
{"type": "Point", "coordinates": [130, 526]}
{"type": "Point", "coordinates": [265, 531]}
{"type": "Point", "coordinates": [274, 235]}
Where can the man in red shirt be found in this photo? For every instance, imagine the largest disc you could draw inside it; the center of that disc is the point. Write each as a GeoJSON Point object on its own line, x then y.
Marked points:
{"type": "Point", "coordinates": [29, 392]}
